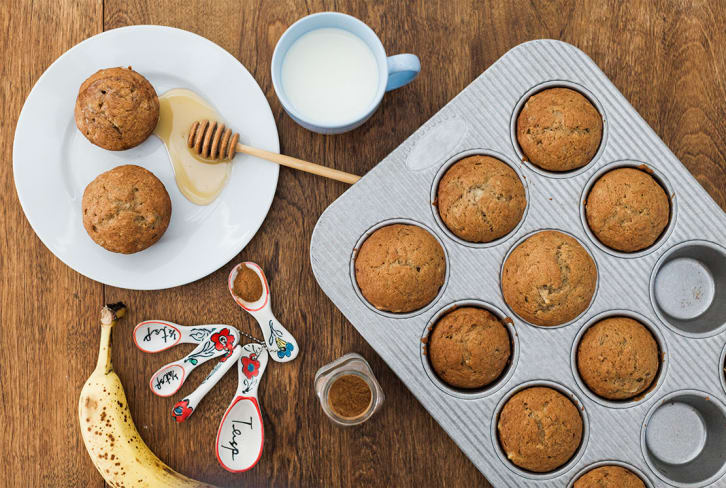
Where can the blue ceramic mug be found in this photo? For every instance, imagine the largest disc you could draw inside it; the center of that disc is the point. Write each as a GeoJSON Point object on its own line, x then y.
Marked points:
{"type": "Point", "coordinates": [393, 71]}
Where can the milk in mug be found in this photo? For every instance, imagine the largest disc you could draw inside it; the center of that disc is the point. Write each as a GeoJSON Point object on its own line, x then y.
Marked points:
{"type": "Point", "coordinates": [330, 76]}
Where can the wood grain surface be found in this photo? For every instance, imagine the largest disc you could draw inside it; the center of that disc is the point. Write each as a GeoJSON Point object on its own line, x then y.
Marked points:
{"type": "Point", "coordinates": [665, 56]}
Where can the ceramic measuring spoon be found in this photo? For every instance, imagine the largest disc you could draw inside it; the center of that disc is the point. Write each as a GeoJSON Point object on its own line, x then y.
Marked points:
{"type": "Point", "coordinates": [169, 378]}
{"type": "Point", "coordinates": [241, 435]}
{"type": "Point", "coordinates": [186, 407]}
{"type": "Point", "coordinates": [159, 335]}
{"type": "Point", "coordinates": [282, 344]}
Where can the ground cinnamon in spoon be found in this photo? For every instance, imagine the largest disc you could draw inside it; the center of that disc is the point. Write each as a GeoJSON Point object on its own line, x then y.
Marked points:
{"type": "Point", "coordinates": [349, 396]}
{"type": "Point", "coordinates": [247, 285]}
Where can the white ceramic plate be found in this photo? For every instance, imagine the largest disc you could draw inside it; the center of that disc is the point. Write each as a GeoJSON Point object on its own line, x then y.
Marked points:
{"type": "Point", "coordinates": [53, 162]}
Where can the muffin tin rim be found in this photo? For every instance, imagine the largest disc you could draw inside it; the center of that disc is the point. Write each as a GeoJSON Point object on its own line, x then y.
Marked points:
{"type": "Point", "coordinates": [662, 350]}
{"type": "Point", "coordinates": [569, 394]}
{"type": "Point", "coordinates": [643, 444]}
{"type": "Point", "coordinates": [495, 385]}
{"type": "Point", "coordinates": [722, 368]}
{"type": "Point", "coordinates": [520, 241]}
{"type": "Point", "coordinates": [545, 85]}
{"type": "Point", "coordinates": [651, 289]}
{"type": "Point", "coordinates": [449, 163]}
{"type": "Point", "coordinates": [613, 462]}
{"type": "Point", "coordinates": [659, 178]}
{"type": "Point", "coordinates": [365, 235]}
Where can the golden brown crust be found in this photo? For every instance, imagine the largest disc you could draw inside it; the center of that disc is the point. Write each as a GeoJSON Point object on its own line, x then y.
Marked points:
{"type": "Point", "coordinates": [126, 209]}
{"type": "Point", "coordinates": [116, 109]}
{"type": "Point", "coordinates": [609, 477]}
{"type": "Point", "coordinates": [549, 279]}
{"type": "Point", "coordinates": [400, 268]}
{"type": "Point", "coordinates": [618, 358]}
{"type": "Point", "coordinates": [559, 129]}
{"type": "Point", "coordinates": [539, 429]}
{"type": "Point", "coordinates": [469, 348]}
{"type": "Point", "coordinates": [480, 199]}
{"type": "Point", "coordinates": [627, 209]}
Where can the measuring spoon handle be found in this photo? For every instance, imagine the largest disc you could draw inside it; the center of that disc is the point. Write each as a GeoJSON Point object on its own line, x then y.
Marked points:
{"type": "Point", "coordinates": [283, 346]}
{"type": "Point", "coordinates": [154, 336]}
{"type": "Point", "coordinates": [184, 408]}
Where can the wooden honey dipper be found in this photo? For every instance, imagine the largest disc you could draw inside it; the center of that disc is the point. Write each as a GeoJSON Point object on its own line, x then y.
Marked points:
{"type": "Point", "coordinates": [214, 141]}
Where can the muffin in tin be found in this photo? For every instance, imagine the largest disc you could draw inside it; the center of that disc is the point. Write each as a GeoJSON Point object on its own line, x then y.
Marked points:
{"type": "Point", "coordinates": [116, 109]}
{"type": "Point", "coordinates": [618, 358]}
{"type": "Point", "coordinates": [126, 209]}
{"type": "Point", "coordinates": [610, 476]}
{"type": "Point", "coordinates": [539, 429]}
{"type": "Point", "coordinates": [558, 129]}
{"type": "Point", "coordinates": [627, 209]}
{"type": "Point", "coordinates": [549, 279]}
{"type": "Point", "coordinates": [400, 268]}
{"type": "Point", "coordinates": [469, 348]}
{"type": "Point", "coordinates": [480, 199]}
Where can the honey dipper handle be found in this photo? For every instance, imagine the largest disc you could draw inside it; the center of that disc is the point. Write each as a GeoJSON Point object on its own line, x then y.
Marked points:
{"type": "Point", "coordinates": [299, 164]}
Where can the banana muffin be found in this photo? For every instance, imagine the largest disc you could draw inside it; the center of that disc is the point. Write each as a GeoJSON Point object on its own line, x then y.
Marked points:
{"type": "Point", "coordinates": [609, 477]}
{"type": "Point", "coordinates": [480, 199]}
{"type": "Point", "coordinates": [126, 210]}
{"type": "Point", "coordinates": [116, 109]}
{"type": "Point", "coordinates": [469, 348]}
{"type": "Point", "coordinates": [627, 209]}
{"type": "Point", "coordinates": [559, 129]}
{"type": "Point", "coordinates": [618, 358]}
{"type": "Point", "coordinates": [549, 279]}
{"type": "Point", "coordinates": [400, 268]}
{"type": "Point", "coordinates": [539, 429]}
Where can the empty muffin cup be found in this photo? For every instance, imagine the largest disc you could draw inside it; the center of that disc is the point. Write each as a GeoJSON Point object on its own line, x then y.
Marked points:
{"type": "Point", "coordinates": [684, 439]}
{"type": "Point", "coordinates": [495, 384]}
{"type": "Point", "coordinates": [688, 288]}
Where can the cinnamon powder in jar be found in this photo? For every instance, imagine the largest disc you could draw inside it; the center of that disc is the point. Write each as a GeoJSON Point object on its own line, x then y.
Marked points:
{"type": "Point", "coordinates": [247, 285]}
{"type": "Point", "coordinates": [349, 396]}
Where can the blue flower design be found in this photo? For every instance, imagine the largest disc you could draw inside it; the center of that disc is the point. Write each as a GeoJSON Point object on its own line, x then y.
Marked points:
{"type": "Point", "coordinates": [285, 351]}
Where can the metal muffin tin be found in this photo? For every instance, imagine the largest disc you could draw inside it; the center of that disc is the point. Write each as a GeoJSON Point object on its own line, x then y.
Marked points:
{"type": "Point", "coordinates": [677, 287]}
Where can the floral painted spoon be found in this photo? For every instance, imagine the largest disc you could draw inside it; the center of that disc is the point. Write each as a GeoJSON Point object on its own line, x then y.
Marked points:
{"type": "Point", "coordinates": [241, 435]}
{"type": "Point", "coordinates": [169, 378]}
{"type": "Point", "coordinates": [159, 335]}
{"type": "Point", "coordinates": [186, 407]}
{"type": "Point", "coordinates": [280, 342]}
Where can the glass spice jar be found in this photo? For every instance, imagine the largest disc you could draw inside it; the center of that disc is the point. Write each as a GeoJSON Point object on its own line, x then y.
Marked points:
{"type": "Point", "coordinates": [341, 388]}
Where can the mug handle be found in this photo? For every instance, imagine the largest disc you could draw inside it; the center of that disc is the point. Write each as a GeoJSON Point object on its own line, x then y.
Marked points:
{"type": "Point", "coordinates": [402, 69]}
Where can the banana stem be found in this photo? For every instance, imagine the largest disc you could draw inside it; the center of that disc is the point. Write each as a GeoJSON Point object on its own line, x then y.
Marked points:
{"type": "Point", "coordinates": [110, 314]}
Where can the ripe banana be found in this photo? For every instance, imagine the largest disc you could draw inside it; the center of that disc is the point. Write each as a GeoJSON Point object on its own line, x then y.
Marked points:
{"type": "Point", "coordinates": [111, 438]}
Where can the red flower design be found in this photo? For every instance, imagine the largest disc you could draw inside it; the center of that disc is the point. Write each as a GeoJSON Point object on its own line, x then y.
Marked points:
{"type": "Point", "coordinates": [181, 411]}
{"type": "Point", "coordinates": [250, 366]}
{"type": "Point", "coordinates": [223, 340]}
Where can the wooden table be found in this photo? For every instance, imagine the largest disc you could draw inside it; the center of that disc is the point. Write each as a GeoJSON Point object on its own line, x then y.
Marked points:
{"type": "Point", "coordinates": [665, 56]}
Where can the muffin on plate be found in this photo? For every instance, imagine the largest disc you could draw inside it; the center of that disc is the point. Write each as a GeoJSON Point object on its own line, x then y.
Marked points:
{"type": "Point", "coordinates": [618, 358]}
{"type": "Point", "coordinates": [539, 429]}
{"type": "Point", "coordinates": [116, 109]}
{"type": "Point", "coordinates": [609, 477]}
{"type": "Point", "coordinates": [469, 348]}
{"type": "Point", "coordinates": [549, 279]}
{"type": "Point", "coordinates": [126, 209]}
{"type": "Point", "coordinates": [558, 129]}
{"type": "Point", "coordinates": [480, 199]}
{"type": "Point", "coordinates": [627, 209]}
{"type": "Point", "coordinates": [400, 268]}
